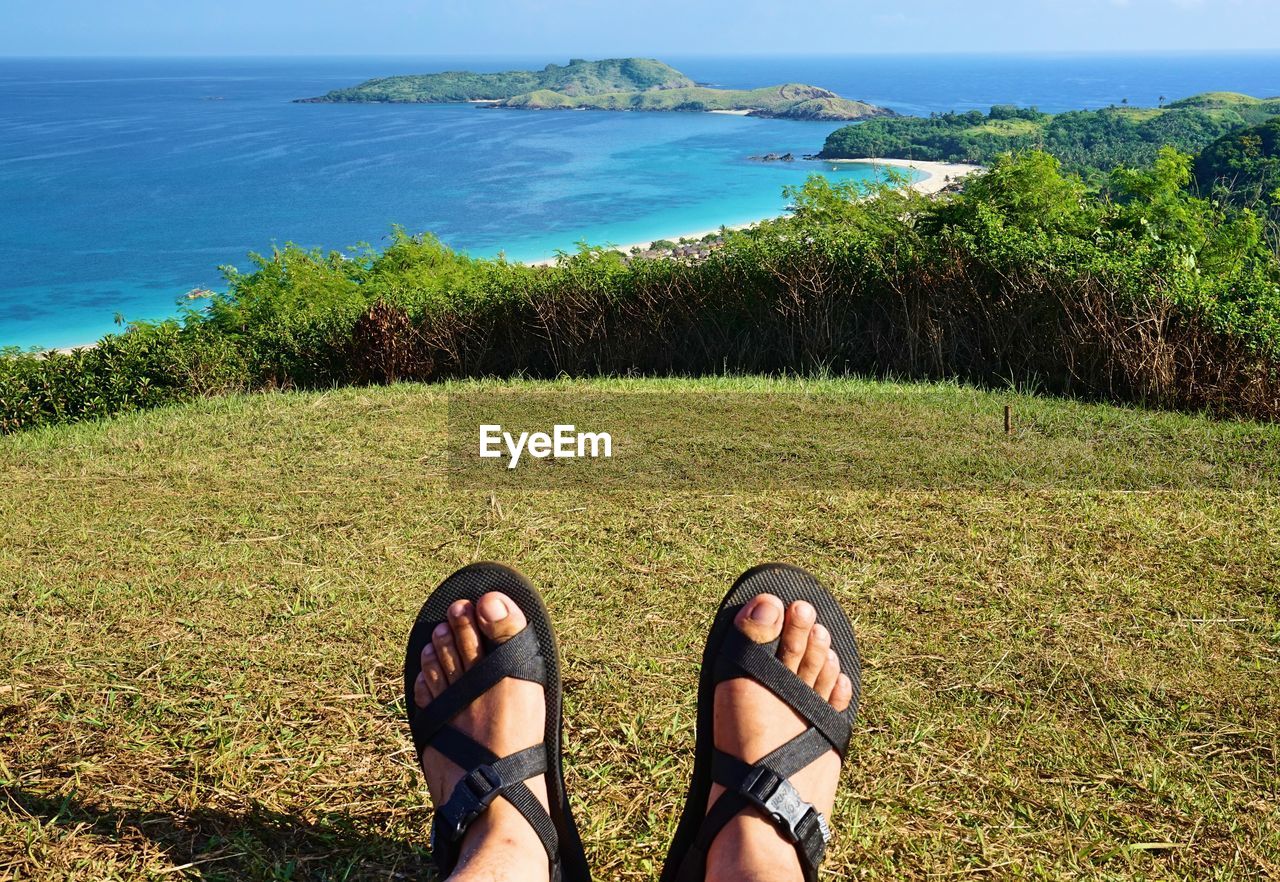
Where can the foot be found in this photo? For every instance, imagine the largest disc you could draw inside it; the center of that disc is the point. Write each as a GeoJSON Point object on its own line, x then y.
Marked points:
{"type": "Point", "coordinates": [500, 845]}
{"type": "Point", "coordinates": [751, 722]}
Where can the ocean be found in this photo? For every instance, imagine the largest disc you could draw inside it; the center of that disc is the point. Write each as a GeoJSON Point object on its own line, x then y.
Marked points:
{"type": "Point", "coordinates": [126, 183]}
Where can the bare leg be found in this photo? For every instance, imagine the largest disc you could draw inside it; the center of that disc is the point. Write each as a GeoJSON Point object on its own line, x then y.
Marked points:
{"type": "Point", "coordinates": [500, 845]}
{"type": "Point", "coordinates": [750, 722]}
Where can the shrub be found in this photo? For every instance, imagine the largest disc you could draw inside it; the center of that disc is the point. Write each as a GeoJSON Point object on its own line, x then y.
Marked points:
{"type": "Point", "coordinates": [1143, 294]}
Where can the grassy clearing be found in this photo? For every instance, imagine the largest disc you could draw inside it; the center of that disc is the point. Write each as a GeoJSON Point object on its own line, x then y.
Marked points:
{"type": "Point", "coordinates": [204, 608]}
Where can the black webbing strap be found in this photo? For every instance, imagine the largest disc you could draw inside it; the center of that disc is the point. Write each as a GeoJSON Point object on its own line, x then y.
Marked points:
{"type": "Point", "coordinates": [740, 656]}
{"type": "Point", "coordinates": [519, 657]}
{"type": "Point", "coordinates": [488, 776]}
{"type": "Point", "coordinates": [766, 788]}
{"type": "Point", "coordinates": [487, 779]}
{"type": "Point", "coordinates": [765, 785]}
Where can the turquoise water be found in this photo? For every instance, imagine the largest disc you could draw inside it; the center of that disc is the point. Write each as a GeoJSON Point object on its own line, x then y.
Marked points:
{"type": "Point", "coordinates": [124, 184]}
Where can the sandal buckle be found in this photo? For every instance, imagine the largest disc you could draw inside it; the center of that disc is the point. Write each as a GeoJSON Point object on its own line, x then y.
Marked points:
{"type": "Point", "coordinates": [484, 782]}
{"type": "Point", "coordinates": [470, 798]}
{"type": "Point", "coordinates": [775, 796]}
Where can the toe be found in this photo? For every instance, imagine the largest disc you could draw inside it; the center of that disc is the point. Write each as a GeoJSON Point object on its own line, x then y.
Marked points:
{"type": "Point", "coordinates": [842, 694]}
{"type": "Point", "coordinates": [760, 618]}
{"type": "Point", "coordinates": [815, 655]}
{"type": "Point", "coordinates": [828, 676]}
{"type": "Point", "coordinates": [466, 633]}
{"type": "Point", "coordinates": [499, 617]}
{"type": "Point", "coordinates": [795, 633]}
{"type": "Point", "coordinates": [432, 675]}
{"type": "Point", "coordinates": [446, 652]}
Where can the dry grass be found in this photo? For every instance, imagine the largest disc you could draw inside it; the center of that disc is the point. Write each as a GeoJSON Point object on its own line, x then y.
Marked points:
{"type": "Point", "coordinates": [204, 608]}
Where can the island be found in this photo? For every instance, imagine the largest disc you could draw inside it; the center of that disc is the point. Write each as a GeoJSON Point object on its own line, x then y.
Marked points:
{"type": "Point", "coordinates": [1087, 142]}
{"type": "Point", "coordinates": [637, 84]}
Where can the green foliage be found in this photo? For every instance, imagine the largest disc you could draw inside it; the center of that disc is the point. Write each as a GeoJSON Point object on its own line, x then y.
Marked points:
{"type": "Point", "coordinates": [872, 207]}
{"type": "Point", "coordinates": [1145, 292]}
{"type": "Point", "coordinates": [792, 101]}
{"type": "Point", "coordinates": [1269, 106]}
{"type": "Point", "coordinates": [148, 366]}
{"type": "Point", "coordinates": [1244, 168]}
{"type": "Point", "coordinates": [1088, 142]}
{"type": "Point", "coordinates": [1027, 191]}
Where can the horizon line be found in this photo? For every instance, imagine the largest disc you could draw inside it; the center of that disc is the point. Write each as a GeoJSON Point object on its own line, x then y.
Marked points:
{"type": "Point", "coordinates": [1010, 53]}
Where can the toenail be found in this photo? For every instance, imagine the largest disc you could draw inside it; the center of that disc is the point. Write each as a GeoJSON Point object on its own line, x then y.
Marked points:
{"type": "Point", "coordinates": [496, 612]}
{"type": "Point", "coordinates": [764, 613]}
{"type": "Point", "coordinates": [442, 630]}
{"type": "Point", "coordinates": [820, 633]}
{"type": "Point", "coordinates": [803, 612]}
{"type": "Point", "coordinates": [428, 650]}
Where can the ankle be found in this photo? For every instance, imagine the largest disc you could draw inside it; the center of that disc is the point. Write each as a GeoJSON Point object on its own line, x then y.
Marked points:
{"type": "Point", "coordinates": [501, 846]}
{"type": "Point", "coordinates": [749, 849]}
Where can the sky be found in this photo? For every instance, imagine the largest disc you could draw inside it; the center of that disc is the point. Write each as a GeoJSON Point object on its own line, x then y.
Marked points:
{"type": "Point", "coordinates": [599, 28]}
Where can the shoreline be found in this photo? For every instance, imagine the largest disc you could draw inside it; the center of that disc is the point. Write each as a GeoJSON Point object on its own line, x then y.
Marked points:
{"type": "Point", "coordinates": [938, 175]}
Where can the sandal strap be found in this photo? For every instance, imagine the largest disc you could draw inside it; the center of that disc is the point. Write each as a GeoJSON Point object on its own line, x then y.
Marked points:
{"type": "Point", "coordinates": [487, 779]}
{"type": "Point", "coordinates": [488, 776]}
{"type": "Point", "coordinates": [519, 657]}
{"type": "Point", "coordinates": [766, 788]}
{"type": "Point", "coordinates": [741, 656]}
{"type": "Point", "coordinates": [765, 785]}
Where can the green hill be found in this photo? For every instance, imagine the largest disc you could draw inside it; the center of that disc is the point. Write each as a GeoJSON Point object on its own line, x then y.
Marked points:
{"type": "Point", "coordinates": [203, 608]}
{"type": "Point", "coordinates": [1223, 99]}
{"type": "Point", "coordinates": [613, 84]}
{"type": "Point", "coordinates": [1086, 141]}
{"type": "Point", "coordinates": [577, 78]}
{"type": "Point", "coordinates": [792, 101]}
{"type": "Point", "coordinates": [1244, 166]}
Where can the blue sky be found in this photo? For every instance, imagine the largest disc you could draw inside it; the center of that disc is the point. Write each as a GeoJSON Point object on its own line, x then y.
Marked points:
{"type": "Point", "coordinates": [593, 28]}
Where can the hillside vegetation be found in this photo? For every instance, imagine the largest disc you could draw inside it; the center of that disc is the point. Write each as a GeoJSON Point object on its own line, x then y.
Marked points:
{"type": "Point", "coordinates": [1087, 142]}
{"type": "Point", "coordinates": [792, 101]}
{"type": "Point", "coordinates": [1244, 168]}
{"type": "Point", "coordinates": [616, 84]}
{"type": "Point", "coordinates": [578, 77]}
{"type": "Point", "coordinates": [1150, 295]}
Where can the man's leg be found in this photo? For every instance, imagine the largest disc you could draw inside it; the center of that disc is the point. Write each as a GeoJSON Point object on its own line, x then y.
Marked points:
{"type": "Point", "coordinates": [500, 845]}
{"type": "Point", "coordinates": [750, 721]}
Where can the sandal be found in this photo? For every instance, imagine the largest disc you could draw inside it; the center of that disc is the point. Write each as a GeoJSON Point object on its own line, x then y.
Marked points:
{"type": "Point", "coordinates": [529, 655]}
{"type": "Point", "coordinates": [764, 785]}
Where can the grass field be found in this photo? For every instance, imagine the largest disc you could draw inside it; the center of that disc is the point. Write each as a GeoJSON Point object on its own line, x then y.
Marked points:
{"type": "Point", "coordinates": [204, 611]}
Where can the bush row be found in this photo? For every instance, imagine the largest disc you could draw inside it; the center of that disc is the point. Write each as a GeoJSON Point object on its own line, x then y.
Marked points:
{"type": "Point", "coordinates": [1149, 295]}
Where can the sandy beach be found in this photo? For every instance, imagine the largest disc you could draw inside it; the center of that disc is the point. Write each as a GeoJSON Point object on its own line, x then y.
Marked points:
{"type": "Point", "coordinates": [937, 176]}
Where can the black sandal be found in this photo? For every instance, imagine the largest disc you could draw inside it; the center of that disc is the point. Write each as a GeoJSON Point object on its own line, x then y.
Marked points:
{"type": "Point", "coordinates": [730, 654]}
{"type": "Point", "coordinates": [530, 655]}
